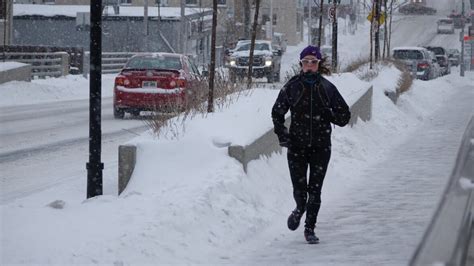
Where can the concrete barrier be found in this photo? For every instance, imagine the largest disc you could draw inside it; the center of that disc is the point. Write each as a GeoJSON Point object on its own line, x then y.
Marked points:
{"type": "Point", "coordinates": [10, 71]}
{"type": "Point", "coordinates": [362, 108]}
{"type": "Point", "coordinates": [264, 145]}
{"type": "Point", "coordinates": [447, 239]}
{"type": "Point", "coordinates": [268, 142]}
{"type": "Point", "coordinates": [43, 65]}
{"type": "Point", "coordinates": [127, 158]}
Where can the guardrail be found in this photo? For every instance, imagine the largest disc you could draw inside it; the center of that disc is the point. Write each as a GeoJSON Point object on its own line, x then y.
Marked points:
{"type": "Point", "coordinates": [75, 53]}
{"type": "Point", "coordinates": [446, 240]}
{"type": "Point", "coordinates": [112, 62]}
{"type": "Point", "coordinates": [42, 64]}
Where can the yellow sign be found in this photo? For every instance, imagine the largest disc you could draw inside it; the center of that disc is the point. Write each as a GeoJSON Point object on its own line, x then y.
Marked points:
{"type": "Point", "coordinates": [381, 18]}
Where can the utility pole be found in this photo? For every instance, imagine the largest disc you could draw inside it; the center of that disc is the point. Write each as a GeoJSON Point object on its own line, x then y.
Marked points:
{"type": "Point", "coordinates": [334, 36]}
{"type": "Point", "coordinates": [212, 65]}
{"type": "Point", "coordinates": [271, 19]}
{"type": "Point", "coordinates": [310, 21]}
{"type": "Point", "coordinates": [376, 28]}
{"type": "Point", "coordinates": [95, 166]}
{"type": "Point", "coordinates": [320, 22]}
{"type": "Point", "coordinates": [145, 23]}
{"type": "Point", "coordinates": [183, 39]}
{"type": "Point", "coordinates": [158, 2]}
{"type": "Point", "coordinates": [246, 19]}
{"type": "Point", "coordinates": [462, 41]}
{"type": "Point", "coordinates": [252, 43]}
{"type": "Point", "coordinates": [145, 17]}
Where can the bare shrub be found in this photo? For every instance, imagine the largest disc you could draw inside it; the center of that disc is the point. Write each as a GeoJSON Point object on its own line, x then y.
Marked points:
{"type": "Point", "coordinates": [356, 64]}
{"type": "Point", "coordinates": [405, 80]}
{"type": "Point", "coordinates": [168, 120]}
{"type": "Point", "coordinates": [294, 70]}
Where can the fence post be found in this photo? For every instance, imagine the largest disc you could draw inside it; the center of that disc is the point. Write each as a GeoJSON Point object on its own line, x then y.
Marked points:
{"type": "Point", "coordinates": [85, 64]}
{"type": "Point", "coordinates": [64, 63]}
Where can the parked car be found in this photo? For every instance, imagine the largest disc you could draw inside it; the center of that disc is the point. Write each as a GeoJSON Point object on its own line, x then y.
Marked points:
{"type": "Point", "coordinates": [417, 60]}
{"type": "Point", "coordinates": [155, 82]}
{"type": "Point", "coordinates": [454, 57]}
{"type": "Point", "coordinates": [416, 9]}
{"type": "Point", "coordinates": [445, 25]}
{"type": "Point", "coordinates": [442, 58]}
{"type": "Point", "coordinates": [457, 19]}
{"type": "Point", "coordinates": [266, 61]}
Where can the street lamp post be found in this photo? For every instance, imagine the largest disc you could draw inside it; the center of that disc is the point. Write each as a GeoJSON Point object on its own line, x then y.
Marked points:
{"type": "Point", "coordinates": [310, 21]}
{"type": "Point", "coordinates": [95, 166]}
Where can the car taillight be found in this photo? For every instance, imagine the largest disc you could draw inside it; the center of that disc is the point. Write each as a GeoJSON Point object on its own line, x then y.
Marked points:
{"type": "Point", "coordinates": [423, 65]}
{"type": "Point", "coordinates": [180, 83]}
{"type": "Point", "coordinates": [122, 81]}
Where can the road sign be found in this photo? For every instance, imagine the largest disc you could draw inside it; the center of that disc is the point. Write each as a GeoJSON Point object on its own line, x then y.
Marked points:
{"type": "Point", "coordinates": [381, 18]}
{"type": "Point", "coordinates": [331, 12]}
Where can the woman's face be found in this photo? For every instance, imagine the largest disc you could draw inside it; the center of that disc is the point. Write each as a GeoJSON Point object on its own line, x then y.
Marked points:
{"type": "Point", "coordinates": [310, 63]}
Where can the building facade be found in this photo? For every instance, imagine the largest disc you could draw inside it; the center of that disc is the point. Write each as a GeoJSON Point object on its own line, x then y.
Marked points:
{"type": "Point", "coordinates": [288, 16]}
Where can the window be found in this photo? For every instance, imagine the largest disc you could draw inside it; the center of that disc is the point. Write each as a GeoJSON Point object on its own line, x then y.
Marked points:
{"type": "Point", "coordinates": [125, 2]}
{"type": "Point", "coordinates": [163, 62]}
{"type": "Point", "coordinates": [191, 2]}
{"type": "Point", "coordinates": [221, 2]}
{"type": "Point", "coordinates": [408, 54]}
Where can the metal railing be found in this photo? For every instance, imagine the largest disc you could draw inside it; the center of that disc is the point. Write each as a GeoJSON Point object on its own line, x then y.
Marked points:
{"type": "Point", "coordinates": [112, 62]}
{"type": "Point", "coordinates": [43, 64]}
{"type": "Point", "coordinates": [446, 241]}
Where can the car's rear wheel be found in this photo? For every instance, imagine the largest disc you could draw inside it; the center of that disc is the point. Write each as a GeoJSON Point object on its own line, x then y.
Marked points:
{"type": "Point", "coordinates": [119, 113]}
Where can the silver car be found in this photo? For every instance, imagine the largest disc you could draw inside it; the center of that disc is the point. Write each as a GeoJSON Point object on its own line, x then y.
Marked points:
{"type": "Point", "coordinates": [418, 60]}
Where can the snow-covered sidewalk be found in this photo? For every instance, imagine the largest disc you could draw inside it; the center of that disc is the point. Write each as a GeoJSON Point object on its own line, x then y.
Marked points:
{"type": "Point", "coordinates": [382, 217]}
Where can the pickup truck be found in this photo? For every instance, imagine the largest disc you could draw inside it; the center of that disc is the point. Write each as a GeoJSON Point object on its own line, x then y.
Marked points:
{"type": "Point", "coordinates": [266, 61]}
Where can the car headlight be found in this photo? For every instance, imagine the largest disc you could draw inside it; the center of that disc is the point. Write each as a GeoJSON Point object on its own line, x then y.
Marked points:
{"type": "Point", "coordinates": [232, 62]}
{"type": "Point", "coordinates": [268, 62]}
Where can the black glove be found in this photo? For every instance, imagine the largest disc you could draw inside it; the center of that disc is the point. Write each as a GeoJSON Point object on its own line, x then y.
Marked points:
{"type": "Point", "coordinates": [327, 113]}
{"type": "Point", "coordinates": [284, 139]}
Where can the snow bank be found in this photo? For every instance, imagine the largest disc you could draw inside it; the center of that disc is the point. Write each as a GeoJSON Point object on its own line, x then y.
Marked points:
{"type": "Point", "coordinates": [70, 87]}
{"type": "Point", "coordinates": [188, 202]}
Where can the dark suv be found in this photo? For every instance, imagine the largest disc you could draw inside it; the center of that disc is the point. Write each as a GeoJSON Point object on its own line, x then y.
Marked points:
{"type": "Point", "coordinates": [442, 58]}
{"type": "Point", "coordinates": [266, 61]}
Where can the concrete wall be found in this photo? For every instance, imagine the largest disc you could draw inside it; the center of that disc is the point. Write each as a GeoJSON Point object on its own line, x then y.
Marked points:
{"type": "Point", "coordinates": [286, 13]}
{"type": "Point", "coordinates": [22, 72]}
{"type": "Point", "coordinates": [118, 35]}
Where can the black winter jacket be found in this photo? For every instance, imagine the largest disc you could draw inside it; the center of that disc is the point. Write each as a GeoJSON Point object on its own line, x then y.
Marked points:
{"type": "Point", "coordinates": [312, 112]}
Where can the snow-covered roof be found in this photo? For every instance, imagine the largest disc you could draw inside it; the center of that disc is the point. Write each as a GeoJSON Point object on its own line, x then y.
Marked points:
{"type": "Point", "coordinates": [125, 11]}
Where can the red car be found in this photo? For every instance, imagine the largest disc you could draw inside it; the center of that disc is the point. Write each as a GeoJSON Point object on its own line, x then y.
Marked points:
{"type": "Point", "coordinates": [155, 82]}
